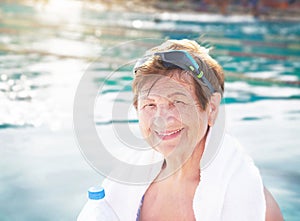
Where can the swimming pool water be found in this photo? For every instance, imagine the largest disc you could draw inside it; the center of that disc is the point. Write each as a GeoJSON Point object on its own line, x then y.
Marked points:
{"type": "Point", "coordinates": [44, 53]}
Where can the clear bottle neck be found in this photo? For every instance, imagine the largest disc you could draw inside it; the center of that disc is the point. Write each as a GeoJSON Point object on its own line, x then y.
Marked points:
{"type": "Point", "coordinates": [99, 201]}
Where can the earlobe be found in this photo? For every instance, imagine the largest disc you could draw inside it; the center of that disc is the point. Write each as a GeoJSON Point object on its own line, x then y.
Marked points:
{"type": "Point", "coordinates": [214, 108]}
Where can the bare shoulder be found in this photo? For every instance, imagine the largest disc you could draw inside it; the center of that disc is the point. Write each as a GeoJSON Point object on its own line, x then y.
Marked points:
{"type": "Point", "coordinates": [273, 212]}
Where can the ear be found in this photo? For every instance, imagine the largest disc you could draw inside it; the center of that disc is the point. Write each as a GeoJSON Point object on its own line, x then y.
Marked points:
{"type": "Point", "coordinates": [213, 108]}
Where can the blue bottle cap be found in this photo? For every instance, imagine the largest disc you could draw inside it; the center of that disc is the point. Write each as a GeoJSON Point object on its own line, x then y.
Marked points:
{"type": "Point", "coordinates": [96, 193]}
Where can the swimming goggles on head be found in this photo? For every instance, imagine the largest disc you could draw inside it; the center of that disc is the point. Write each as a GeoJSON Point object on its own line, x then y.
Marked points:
{"type": "Point", "coordinates": [179, 59]}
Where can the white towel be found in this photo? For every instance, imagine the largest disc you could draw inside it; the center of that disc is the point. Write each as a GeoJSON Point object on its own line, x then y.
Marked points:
{"type": "Point", "coordinates": [230, 187]}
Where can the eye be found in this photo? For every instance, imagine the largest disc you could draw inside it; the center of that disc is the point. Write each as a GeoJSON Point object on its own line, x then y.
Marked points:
{"type": "Point", "coordinates": [149, 105]}
{"type": "Point", "coordinates": [178, 102]}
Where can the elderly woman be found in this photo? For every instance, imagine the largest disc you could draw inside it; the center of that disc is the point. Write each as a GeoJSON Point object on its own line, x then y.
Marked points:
{"type": "Point", "coordinates": [205, 175]}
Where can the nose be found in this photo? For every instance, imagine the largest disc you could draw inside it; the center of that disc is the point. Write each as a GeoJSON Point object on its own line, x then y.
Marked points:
{"type": "Point", "coordinates": [163, 110]}
{"type": "Point", "coordinates": [165, 114]}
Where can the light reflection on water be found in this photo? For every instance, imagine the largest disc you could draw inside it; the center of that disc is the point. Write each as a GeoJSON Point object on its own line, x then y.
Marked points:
{"type": "Point", "coordinates": [44, 52]}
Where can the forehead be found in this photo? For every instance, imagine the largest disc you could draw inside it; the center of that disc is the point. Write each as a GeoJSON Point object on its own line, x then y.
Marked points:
{"type": "Point", "coordinates": [165, 86]}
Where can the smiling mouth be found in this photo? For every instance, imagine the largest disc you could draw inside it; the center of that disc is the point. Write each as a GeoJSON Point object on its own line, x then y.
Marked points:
{"type": "Point", "coordinates": [169, 134]}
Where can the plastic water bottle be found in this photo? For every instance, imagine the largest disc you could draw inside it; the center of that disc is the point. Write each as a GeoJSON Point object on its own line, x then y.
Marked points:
{"type": "Point", "coordinates": [97, 208]}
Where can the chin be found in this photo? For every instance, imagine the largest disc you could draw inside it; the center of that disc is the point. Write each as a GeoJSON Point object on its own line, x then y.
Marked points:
{"type": "Point", "coordinates": [166, 150]}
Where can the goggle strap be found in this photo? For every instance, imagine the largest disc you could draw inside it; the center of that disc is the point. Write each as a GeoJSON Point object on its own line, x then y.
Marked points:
{"type": "Point", "coordinates": [194, 67]}
{"type": "Point", "coordinates": [140, 62]}
{"type": "Point", "coordinates": [207, 83]}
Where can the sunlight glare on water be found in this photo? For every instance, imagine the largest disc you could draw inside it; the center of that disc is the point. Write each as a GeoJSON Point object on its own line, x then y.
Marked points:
{"type": "Point", "coordinates": [47, 46]}
{"type": "Point", "coordinates": [59, 11]}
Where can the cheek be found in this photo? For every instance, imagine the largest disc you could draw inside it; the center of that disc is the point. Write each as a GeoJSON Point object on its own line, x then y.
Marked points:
{"type": "Point", "coordinates": [144, 122]}
{"type": "Point", "coordinates": [197, 122]}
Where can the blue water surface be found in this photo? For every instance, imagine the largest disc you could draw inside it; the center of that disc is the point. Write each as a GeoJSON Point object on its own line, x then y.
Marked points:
{"type": "Point", "coordinates": [44, 52]}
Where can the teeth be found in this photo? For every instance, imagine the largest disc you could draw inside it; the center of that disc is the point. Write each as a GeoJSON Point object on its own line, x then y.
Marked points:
{"type": "Point", "coordinates": [168, 134]}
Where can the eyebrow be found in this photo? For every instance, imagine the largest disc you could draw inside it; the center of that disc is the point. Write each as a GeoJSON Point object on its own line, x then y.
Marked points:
{"type": "Point", "coordinates": [146, 97]}
{"type": "Point", "coordinates": [143, 98]}
{"type": "Point", "coordinates": [176, 93]}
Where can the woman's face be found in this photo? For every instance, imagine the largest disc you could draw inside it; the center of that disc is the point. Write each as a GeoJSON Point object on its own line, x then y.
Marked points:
{"type": "Point", "coordinates": [170, 117]}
